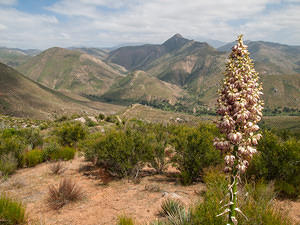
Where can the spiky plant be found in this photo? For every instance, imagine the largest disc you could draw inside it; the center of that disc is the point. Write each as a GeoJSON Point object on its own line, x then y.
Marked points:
{"type": "Point", "coordinates": [171, 207]}
{"type": "Point", "coordinates": [240, 108]}
{"type": "Point", "coordinates": [67, 191]}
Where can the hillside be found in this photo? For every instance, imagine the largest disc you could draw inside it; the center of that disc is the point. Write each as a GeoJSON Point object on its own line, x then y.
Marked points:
{"type": "Point", "coordinates": [67, 70]}
{"type": "Point", "coordinates": [140, 87]}
{"type": "Point", "coordinates": [20, 96]}
{"type": "Point", "coordinates": [138, 57]}
{"type": "Point", "coordinates": [272, 58]}
{"type": "Point", "coordinates": [13, 57]}
{"type": "Point", "coordinates": [97, 52]}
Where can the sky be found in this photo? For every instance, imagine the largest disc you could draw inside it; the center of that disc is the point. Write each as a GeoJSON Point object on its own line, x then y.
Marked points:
{"type": "Point", "coordinates": [104, 23]}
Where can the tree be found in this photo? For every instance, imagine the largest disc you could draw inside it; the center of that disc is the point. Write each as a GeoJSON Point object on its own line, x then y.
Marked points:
{"type": "Point", "coordinates": [240, 108]}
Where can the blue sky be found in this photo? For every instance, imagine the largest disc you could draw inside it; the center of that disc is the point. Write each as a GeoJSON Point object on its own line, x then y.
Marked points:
{"type": "Point", "coordinates": [103, 23]}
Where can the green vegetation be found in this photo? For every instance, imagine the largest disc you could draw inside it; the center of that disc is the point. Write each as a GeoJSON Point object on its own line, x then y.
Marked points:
{"type": "Point", "coordinates": [194, 151]}
{"type": "Point", "coordinates": [11, 212]}
{"type": "Point", "coordinates": [33, 157]}
{"type": "Point", "coordinates": [278, 160]}
{"type": "Point", "coordinates": [69, 133]}
{"type": "Point", "coordinates": [124, 220]}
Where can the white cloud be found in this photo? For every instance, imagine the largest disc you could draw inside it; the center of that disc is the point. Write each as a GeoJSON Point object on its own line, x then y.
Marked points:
{"type": "Point", "coordinates": [107, 22]}
{"type": "Point", "coordinates": [8, 2]}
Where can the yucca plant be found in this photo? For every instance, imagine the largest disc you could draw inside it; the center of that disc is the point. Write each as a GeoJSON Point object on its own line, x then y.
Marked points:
{"type": "Point", "coordinates": [240, 108]}
{"type": "Point", "coordinates": [171, 207]}
{"type": "Point", "coordinates": [67, 191]}
{"type": "Point", "coordinates": [12, 212]}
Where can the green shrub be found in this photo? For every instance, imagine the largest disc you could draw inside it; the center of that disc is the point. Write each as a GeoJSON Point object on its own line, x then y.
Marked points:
{"type": "Point", "coordinates": [279, 161]}
{"type": "Point", "coordinates": [8, 164]}
{"type": "Point", "coordinates": [11, 212]}
{"type": "Point", "coordinates": [194, 150]}
{"type": "Point", "coordinates": [124, 220]}
{"type": "Point", "coordinates": [32, 137]}
{"type": "Point", "coordinates": [50, 149]}
{"type": "Point", "coordinates": [89, 122]}
{"type": "Point", "coordinates": [69, 133]}
{"type": "Point", "coordinates": [122, 152]}
{"type": "Point", "coordinates": [33, 157]}
{"type": "Point", "coordinates": [12, 145]}
{"type": "Point", "coordinates": [111, 119]}
{"type": "Point", "coordinates": [101, 116]}
{"type": "Point", "coordinates": [64, 153]}
{"type": "Point", "coordinates": [159, 139]}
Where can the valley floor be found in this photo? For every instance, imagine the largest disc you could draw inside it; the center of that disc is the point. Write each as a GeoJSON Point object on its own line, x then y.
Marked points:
{"type": "Point", "coordinates": [102, 203]}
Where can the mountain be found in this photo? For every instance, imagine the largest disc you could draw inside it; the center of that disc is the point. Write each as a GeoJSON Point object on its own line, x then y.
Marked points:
{"type": "Point", "coordinates": [272, 58]}
{"type": "Point", "coordinates": [140, 87]}
{"type": "Point", "coordinates": [68, 70]}
{"type": "Point", "coordinates": [20, 96]}
{"type": "Point", "coordinates": [137, 57]}
{"type": "Point", "coordinates": [96, 52]}
{"type": "Point", "coordinates": [14, 56]}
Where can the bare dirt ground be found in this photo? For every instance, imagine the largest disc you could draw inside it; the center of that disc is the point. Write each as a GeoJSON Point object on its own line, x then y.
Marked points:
{"type": "Point", "coordinates": [102, 204]}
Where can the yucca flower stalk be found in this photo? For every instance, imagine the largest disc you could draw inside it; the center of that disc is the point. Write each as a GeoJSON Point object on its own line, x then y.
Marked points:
{"type": "Point", "coordinates": [240, 108]}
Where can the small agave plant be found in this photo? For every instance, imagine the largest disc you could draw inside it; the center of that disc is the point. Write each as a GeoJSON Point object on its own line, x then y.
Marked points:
{"type": "Point", "coordinates": [240, 108]}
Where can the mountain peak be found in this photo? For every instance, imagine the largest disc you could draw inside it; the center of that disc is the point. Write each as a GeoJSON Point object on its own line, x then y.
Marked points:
{"type": "Point", "coordinates": [175, 42]}
{"type": "Point", "coordinates": [177, 36]}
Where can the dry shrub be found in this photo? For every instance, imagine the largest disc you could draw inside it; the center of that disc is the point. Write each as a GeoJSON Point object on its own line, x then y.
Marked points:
{"type": "Point", "coordinates": [57, 168]}
{"type": "Point", "coordinates": [67, 191]}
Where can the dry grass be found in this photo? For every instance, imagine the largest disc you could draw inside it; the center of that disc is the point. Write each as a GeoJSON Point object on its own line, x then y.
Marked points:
{"type": "Point", "coordinates": [67, 191]}
{"type": "Point", "coordinates": [57, 168]}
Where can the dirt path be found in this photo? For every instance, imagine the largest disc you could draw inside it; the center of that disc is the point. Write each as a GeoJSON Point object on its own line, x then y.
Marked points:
{"type": "Point", "coordinates": [102, 203]}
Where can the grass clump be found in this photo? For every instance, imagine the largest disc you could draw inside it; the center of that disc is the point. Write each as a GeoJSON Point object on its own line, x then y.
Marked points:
{"type": "Point", "coordinates": [124, 220]}
{"type": "Point", "coordinates": [11, 212]}
{"type": "Point", "coordinates": [67, 191]}
{"type": "Point", "coordinates": [57, 168]}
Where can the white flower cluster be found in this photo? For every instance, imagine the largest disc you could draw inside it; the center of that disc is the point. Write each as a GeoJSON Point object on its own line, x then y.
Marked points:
{"type": "Point", "coordinates": [240, 107]}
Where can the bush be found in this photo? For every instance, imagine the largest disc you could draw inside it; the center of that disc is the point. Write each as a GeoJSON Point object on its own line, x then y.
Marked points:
{"type": "Point", "coordinates": [8, 164]}
{"type": "Point", "coordinates": [194, 151]}
{"type": "Point", "coordinates": [159, 136]}
{"type": "Point", "coordinates": [32, 137]}
{"type": "Point", "coordinates": [33, 157]}
{"type": "Point", "coordinates": [11, 143]}
{"type": "Point", "coordinates": [279, 161]}
{"type": "Point", "coordinates": [50, 149]}
{"type": "Point", "coordinates": [69, 133]}
{"type": "Point", "coordinates": [67, 191]}
{"type": "Point", "coordinates": [101, 116]}
{"type": "Point", "coordinates": [89, 122]}
{"type": "Point", "coordinates": [64, 153]}
{"type": "Point", "coordinates": [11, 212]}
{"type": "Point", "coordinates": [121, 152]}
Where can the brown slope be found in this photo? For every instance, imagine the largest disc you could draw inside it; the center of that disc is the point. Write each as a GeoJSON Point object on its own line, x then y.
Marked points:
{"type": "Point", "coordinates": [73, 71]}
{"type": "Point", "coordinates": [20, 96]}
